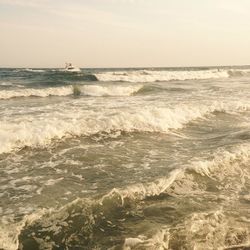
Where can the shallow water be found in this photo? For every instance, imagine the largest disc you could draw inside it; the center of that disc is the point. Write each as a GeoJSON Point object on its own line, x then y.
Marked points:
{"type": "Point", "coordinates": [125, 158]}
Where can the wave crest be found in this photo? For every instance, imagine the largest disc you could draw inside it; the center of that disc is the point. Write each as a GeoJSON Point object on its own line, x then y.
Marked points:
{"type": "Point", "coordinates": [98, 90]}
{"type": "Point", "coordinates": [86, 222]}
{"type": "Point", "coordinates": [239, 73]}
{"type": "Point", "coordinates": [90, 90]}
{"type": "Point", "coordinates": [40, 131]}
{"type": "Point", "coordinates": [45, 92]}
{"type": "Point", "coordinates": [161, 75]}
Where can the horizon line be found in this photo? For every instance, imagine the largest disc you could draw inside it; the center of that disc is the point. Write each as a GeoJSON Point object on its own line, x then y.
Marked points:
{"type": "Point", "coordinates": [136, 67]}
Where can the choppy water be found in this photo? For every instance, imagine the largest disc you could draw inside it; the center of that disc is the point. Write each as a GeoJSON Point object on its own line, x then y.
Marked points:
{"type": "Point", "coordinates": [125, 159]}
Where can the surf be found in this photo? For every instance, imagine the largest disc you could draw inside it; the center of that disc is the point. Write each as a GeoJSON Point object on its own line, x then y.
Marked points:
{"type": "Point", "coordinates": [40, 130]}
{"type": "Point", "coordinates": [88, 220]}
{"type": "Point", "coordinates": [76, 89]}
{"type": "Point", "coordinates": [160, 75]}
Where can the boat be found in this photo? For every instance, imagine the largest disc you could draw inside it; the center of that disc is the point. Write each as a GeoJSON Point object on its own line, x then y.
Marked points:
{"type": "Point", "coordinates": [70, 68]}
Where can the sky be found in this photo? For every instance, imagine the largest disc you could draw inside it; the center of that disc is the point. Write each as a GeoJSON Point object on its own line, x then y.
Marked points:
{"type": "Point", "coordinates": [124, 33]}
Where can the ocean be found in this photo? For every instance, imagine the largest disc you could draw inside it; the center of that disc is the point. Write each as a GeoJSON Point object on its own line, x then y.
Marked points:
{"type": "Point", "coordinates": [149, 158]}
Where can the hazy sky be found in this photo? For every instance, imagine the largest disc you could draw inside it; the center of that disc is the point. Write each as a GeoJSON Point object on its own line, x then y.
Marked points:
{"type": "Point", "coordinates": [124, 33]}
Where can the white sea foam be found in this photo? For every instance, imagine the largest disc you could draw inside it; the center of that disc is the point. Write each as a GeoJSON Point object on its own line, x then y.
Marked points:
{"type": "Point", "coordinates": [160, 240]}
{"type": "Point", "coordinates": [228, 168]}
{"type": "Point", "coordinates": [111, 90]}
{"type": "Point", "coordinates": [56, 91]}
{"type": "Point", "coordinates": [34, 70]}
{"type": "Point", "coordinates": [211, 230]}
{"type": "Point", "coordinates": [161, 75]}
{"type": "Point", "coordinates": [9, 238]}
{"type": "Point", "coordinates": [224, 166]}
{"type": "Point", "coordinates": [223, 162]}
{"type": "Point", "coordinates": [5, 83]}
{"type": "Point", "coordinates": [141, 191]}
{"type": "Point", "coordinates": [9, 233]}
{"type": "Point", "coordinates": [90, 90]}
{"type": "Point", "coordinates": [213, 227]}
{"type": "Point", "coordinates": [41, 129]}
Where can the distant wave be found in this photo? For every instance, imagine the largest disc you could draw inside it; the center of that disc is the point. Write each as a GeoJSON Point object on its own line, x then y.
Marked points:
{"type": "Point", "coordinates": [40, 131]}
{"type": "Point", "coordinates": [239, 73]}
{"type": "Point", "coordinates": [43, 92]}
{"type": "Point", "coordinates": [32, 70]}
{"type": "Point", "coordinates": [138, 76]}
{"type": "Point", "coordinates": [90, 90]}
{"type": "Point", "coordinates": [98, 90]}
{"type": "Point", "coordinates": [6, 84]}
{"type": "Point", "coordinates": [164, 75]}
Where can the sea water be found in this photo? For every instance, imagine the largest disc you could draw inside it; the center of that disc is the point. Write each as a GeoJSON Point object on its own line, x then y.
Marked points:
{"type": "Point", "coordinates": [125, 158]}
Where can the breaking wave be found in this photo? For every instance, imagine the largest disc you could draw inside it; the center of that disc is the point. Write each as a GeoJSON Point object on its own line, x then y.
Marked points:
{"type": "Point", "coordinates": [86, 222]}
{"type": "Point", "coordinates": [227, 171]}
{"type": "Point", "coordinates": [40, 131]}
{"type": "Point", "coordinates": [98, 90]}
{"type": "Point", "coordinates": [35, 70]}
{"type": "Point", "coordinates": [6, 84]}
{"type": "Point", "coordinates": [136, 75]}
{"type": "Point", "coordinates": [204, 230]}
{"type": "Point", "coordinates": [28, 92]}
{"type": "Point", "coordinates": [222, 167]}
{"type": "Point", "coordinates": [90, 90]}
{"type": "Point", "coordinates": [161, 75]}
{"type": "Point", "coordinates": [239, 73]}
{"type": "Point", "coordinates": [81, 218]}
